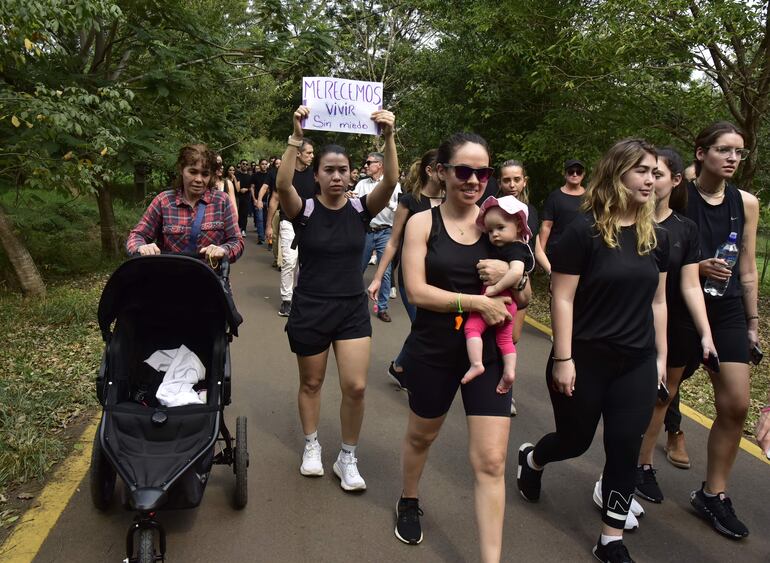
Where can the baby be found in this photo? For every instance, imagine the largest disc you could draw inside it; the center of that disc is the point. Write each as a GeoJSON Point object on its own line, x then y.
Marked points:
{"type": "Point", "coordinates": [505, 221]}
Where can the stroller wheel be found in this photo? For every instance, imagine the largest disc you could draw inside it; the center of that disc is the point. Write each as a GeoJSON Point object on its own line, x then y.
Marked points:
{"type": "Point", "coordinates": [102, 478]}
{"type": "Point", "coordinates": [146, 552]}
{"type": "Point", "coordinates": [241, 464]}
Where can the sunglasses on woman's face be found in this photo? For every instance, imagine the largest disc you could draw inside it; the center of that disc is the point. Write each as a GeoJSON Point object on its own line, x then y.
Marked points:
{"type": "Point", "coordinates": [464, 172]}
{"type": "Point", "coordinates": [575, 172]}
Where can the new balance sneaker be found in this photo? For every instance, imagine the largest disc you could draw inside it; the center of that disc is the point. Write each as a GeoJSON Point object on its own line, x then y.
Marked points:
{"type": "Point", "coordinates": [636, 512]}
{"type": "Point", "coordinates": [408, 528]}
{"type": "Point", "coordinates": [285, 309]}
{"type": "Point", "coordinates": [397, 377]}
{"type": "Point", "coordinates": [647, 485]}
{"type": "Point", "coordinates": [613, 552]}
{"type": "Point", "coordinates": [528, 479]}
{"type": "Point", "coordinates": [346, 468]}
{"type": "Point", "coordinates": [720, 512]}
{"type": "Point", "coordinates": [311, 460]}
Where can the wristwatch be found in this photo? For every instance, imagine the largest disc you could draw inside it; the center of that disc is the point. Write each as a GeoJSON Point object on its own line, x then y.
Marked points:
{"type": "Point", "coordinates": [294, 142]}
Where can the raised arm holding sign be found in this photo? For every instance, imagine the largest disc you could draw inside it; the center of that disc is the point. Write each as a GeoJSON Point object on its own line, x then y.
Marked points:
{"type": "Point", "coordinates": [341, 105]}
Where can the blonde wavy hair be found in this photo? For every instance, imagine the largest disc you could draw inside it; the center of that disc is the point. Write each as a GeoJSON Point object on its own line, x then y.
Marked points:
{"type": "Point", "coordinates": [607, 198]}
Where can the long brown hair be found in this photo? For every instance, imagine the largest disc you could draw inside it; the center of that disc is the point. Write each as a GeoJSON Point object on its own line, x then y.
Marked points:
{"type": "Point", "coordinates": [190, 155]}
{"type": "Point", "coordinates": [607, 198]}
{"type": "Point", "coordinates": [417, 177]}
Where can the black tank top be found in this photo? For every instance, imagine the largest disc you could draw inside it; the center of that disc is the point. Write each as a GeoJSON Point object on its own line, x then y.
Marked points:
{"type": "Point", "coordinates": [715, 223]}
{"type": "Point", "coordinates": [451, 266]}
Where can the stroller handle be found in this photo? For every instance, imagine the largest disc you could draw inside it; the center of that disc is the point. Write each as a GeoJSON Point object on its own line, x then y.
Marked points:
{"type": "Point", "coordinates": [222, 269]}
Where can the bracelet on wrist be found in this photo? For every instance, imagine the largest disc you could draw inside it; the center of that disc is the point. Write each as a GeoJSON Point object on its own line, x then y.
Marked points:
{"type": "Point", "coordinates": [752, 317]}
{"type": "Point", "coordinates": [555, 359]}
{"type": "Point", "coordinates": [293, 141]}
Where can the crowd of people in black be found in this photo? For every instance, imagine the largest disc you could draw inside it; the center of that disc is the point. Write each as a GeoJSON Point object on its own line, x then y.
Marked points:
{"type": "Point", "coordinates": [627, 252]}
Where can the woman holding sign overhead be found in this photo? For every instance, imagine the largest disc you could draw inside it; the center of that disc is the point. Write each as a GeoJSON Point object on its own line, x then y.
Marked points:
{"type": "Point", "coordinates": [330, 306]}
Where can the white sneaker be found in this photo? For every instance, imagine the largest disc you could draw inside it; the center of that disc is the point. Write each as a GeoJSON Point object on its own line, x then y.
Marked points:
{"type": "Point", "coordinates": [373, 259]}
{"type": "Point", "coordinates": [636, 511]}
{"type": "Point", "coordinates": [514, 412]}
{"type": "Point", "coordinates": [393, 293]}
{"type": "Point", "coordinates": [346, 469]}
{"type": "Point", "coordinates": [311, 460]}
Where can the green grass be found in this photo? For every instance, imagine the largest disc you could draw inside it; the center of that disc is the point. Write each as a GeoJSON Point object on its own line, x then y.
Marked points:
{"type": "Point", "coordinates": [50, 348]}
{"type": "Point", "coordinates": [49, 353]}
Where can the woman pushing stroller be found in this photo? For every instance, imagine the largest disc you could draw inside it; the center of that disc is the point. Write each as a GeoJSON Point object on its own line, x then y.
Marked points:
{"type": "Point", "coordinates": [192, 217]}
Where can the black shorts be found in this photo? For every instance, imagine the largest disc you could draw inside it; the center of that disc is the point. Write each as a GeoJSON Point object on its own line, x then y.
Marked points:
{"type": "Point", "coordinates": [727, 319]}
{"type": "Point", "coordinates": [315, 321]}
{"type": "Point", "coordinates": [432, 389]}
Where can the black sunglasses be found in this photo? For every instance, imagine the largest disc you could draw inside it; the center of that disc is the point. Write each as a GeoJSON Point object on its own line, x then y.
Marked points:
{"type": "Point", "coordinates": [575, 172]}
{"type": "Point", "coordinates": [370, 162]}
{"type": "Point", "coordinates": [464, 172]}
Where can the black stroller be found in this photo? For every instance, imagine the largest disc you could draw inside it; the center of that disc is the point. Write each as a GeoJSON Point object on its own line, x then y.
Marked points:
{"type": "Point", "coordinates": [163, 455]}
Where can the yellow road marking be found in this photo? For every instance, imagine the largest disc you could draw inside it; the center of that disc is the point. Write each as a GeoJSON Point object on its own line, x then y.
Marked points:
{"type": "Point", "coordinates": [689, 412]}
{"type": "Point", "coordinates": [37, 522]}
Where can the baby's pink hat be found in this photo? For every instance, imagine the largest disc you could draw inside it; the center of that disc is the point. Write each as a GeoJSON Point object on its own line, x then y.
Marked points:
{"type": "Point", "coordinates": [510, 205]}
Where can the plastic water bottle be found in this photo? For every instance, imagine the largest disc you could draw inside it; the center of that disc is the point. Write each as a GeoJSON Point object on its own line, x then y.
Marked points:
{"type": "Point", "coordinates": [729, 253]}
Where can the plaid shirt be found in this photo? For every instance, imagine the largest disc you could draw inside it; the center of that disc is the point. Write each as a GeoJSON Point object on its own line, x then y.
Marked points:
{"type": "Point", "coordinates": [168, 222]}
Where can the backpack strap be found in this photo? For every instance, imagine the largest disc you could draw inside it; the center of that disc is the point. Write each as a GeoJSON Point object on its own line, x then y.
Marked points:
{"type": "Point", "coordinates": [363, 213]}
{"type": "Point", "coordinates": [301, 221]}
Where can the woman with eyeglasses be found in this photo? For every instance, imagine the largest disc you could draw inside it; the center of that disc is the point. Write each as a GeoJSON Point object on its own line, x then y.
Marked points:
{"type": "Point", "coordinates": [608, 315]}
{"type": "Point", "coordinates": [443, 248]}
{"type": "Point", "coordinates": [422, 191]}
{"type": "Point", "coordinates": [719, 208]}
{"type": "Point", "coordinates": [561, 208]}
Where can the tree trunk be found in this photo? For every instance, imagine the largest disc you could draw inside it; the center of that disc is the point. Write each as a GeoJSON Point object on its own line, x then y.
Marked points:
{"type": "Point", "coordinates": [23, 264]}
{"type": "Point", "coordinates": [110, 246]}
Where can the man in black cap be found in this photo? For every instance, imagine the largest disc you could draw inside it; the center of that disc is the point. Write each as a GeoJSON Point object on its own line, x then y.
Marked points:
{"type": "Point", "coordinates": [561, 207]}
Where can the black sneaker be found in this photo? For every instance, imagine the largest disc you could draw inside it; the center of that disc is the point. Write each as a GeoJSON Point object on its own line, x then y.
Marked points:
{"type": "Point", "coordinates": [613, 552]}
{"type": "Point", "coordinates": [285, 309]}
{"type": "Point", "coordinates": [646, 484]}
{"type": "Point", "coordinates": [408, 528]}
{"type": "Point", "coordinates": [528, 479]}
{"type": "Point", "coordinates": [719, 510]}
{"type": "Point", "coordinates": [397, 377]}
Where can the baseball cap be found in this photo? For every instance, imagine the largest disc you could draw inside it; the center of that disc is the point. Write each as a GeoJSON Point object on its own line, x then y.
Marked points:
{"type": "Point", "coordinates": [573, 162]}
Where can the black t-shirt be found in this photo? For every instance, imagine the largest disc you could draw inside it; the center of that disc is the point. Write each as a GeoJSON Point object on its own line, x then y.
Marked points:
{"type": "Point", "coordinates": [562, 209]}
{"type": "Point", "coordinates": [245, 179]}
{"type": "Point", "coordinates": [613, 301]}
{"type": "Point", "coordinates": [683, 250]}
{"type": "Point", "coordinates": [304, 183]}
{"type": "Point", "coordinates": [330, 249]}
{"type": "Point", "coordinates": [259, 179]}
{"type": "Point", "coordinates": [451, 266]}
{"type": "Point", "coordinates": [516, 251]}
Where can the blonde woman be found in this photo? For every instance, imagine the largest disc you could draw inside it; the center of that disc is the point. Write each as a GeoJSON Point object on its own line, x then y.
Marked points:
{"type": "Point", "coordinates": [609, 327]}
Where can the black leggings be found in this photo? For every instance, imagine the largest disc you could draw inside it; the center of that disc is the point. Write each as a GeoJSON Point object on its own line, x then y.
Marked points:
{"type": "Point", "coordinates": [619, 387]}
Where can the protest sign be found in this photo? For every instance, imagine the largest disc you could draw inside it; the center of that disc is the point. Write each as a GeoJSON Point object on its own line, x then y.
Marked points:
{"type": "Point", "coordinates": [338, 104]}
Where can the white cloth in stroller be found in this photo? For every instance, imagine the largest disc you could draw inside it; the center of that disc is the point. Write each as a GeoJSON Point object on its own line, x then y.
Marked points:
{"type": "Point", "coordinates": [183, 370]}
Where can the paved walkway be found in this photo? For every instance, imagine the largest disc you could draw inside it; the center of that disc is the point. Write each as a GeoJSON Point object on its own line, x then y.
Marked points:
{"type": "Point", "coordinates": [292, 518]}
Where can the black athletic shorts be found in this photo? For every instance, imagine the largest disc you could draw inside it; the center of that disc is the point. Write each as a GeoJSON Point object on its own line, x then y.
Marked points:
{"type": "Point", "coordinates": [432, 389]}
{"type": "Point", "coordinates": [315, 322]}
{"type": "Point", "coordinates": [727, 319]}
